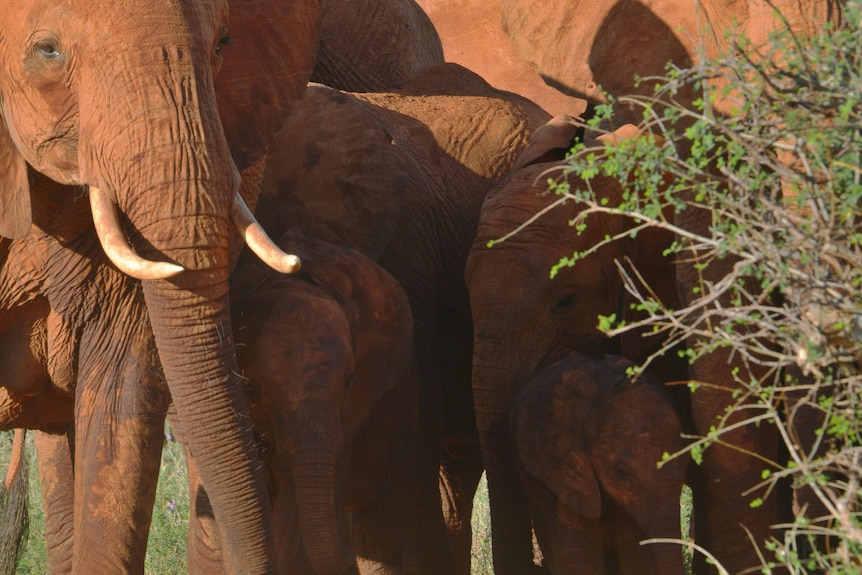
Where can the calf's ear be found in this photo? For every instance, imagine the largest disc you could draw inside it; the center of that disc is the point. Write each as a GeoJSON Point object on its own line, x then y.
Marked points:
{"type": "Point", "coordinates": [15, 216]}
{"type": "Point", "coordinates": [554, 451]}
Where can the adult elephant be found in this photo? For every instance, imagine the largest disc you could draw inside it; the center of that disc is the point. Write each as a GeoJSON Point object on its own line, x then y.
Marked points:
{"type": "Point", "coordinates": [473, 35]}
{"type": "Point", "coordinates": [605, 45]}
{"type": "Point", "coordinates": [587, 440]}
{"type": "Point", "coordinates": [158, 130]}
{"type": "Point", "coordinates": [401, 175]}
{"type": "Point", "coordinates": [374, 45]}
{"type": "Point", "coordinates": [523, 320]}
{"type": "Point", "coordinates": [325, 357]}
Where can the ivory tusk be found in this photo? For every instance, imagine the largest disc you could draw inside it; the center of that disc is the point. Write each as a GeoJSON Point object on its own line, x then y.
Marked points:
{"type": "Point", "coordinates": [258, 240]}
{"type": "Point", "coordinates": [117, 248]}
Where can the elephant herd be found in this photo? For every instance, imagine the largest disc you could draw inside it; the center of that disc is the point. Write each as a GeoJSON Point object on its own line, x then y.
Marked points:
{"type": "Point", "coordinates": [344, 365]}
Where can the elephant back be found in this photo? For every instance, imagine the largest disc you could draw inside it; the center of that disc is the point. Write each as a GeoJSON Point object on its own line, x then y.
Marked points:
{"type": "Point", "coordinates": [374, 45]}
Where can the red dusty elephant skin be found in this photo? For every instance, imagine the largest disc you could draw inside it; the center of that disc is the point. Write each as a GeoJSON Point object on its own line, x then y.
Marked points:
{"type": "Point", "coordinates": [152, 108]}
{"type": "Point", "coordinates": [401, 175]}
{"type": "Point", "coordinates": [325, 358]}
{"type": "Point", "coordinates": [374, 45]}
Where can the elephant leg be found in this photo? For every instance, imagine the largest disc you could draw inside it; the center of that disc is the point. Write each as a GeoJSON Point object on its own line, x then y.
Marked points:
{"type": "Point", "coordinates": [426, 545]}
{"type": "Point", "coordinates": [805, 417]}
{"type": "Point", "coordinates": [54, 456]}
{"type": "Point", "coordinates": [460, 473]}
{"type": "Point", "coordinates": [119, 396]}
{"type": "Point", "coordinates": [728, 473]}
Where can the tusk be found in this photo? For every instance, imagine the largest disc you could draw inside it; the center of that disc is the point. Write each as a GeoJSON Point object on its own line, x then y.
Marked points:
{"type": "Point", "coordinates": [258, 240]}
{"type": "Point", "coordinates": [117, 248]}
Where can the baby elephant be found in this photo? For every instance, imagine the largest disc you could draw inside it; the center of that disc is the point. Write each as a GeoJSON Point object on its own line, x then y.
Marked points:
{"type": "Point", "coordinates": [587, 440]}
{"type": "Point", "coordinates": [325, 354]}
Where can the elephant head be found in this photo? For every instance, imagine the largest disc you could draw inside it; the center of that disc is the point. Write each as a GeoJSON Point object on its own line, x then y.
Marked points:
{"type": "Point", "coordinates": [524, 319]}
{"type": "Point", "coordinates": [588, 439]}
{"type": "Point", "coordinates": [318, 351]}
{"type": "Point", "coordinates": [157, 106]}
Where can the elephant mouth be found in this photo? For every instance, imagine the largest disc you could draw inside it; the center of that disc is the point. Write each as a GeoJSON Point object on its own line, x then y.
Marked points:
{"type": "Point", "coordinates": [121, 254]}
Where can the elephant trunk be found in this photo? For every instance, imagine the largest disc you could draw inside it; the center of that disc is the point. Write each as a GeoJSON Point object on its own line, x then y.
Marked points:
{"type": "Point", "coordinates": [154, 145]}
{"type": "Point", "coordinates": [313, 453]}
{"type": "Point", "coordinates": [659, 518]}
{"type": "Point", "coordinates": [495, 387]}
{"type": "Point", "coordinates": [668, 558]}
{"type": "Point", "coordinates": [193, 335]}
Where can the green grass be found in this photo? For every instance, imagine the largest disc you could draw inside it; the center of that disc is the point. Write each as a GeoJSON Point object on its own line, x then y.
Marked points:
{"type": "Point", "coordinates": [167, 543]}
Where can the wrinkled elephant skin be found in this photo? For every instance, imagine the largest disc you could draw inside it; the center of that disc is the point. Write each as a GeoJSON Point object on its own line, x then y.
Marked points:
{"type": "Point", "coordinates": [162, 123]}
{"type": "Point", "coordinates": [374, 45]}
{"type": "Point", "coordinates": [401, 175]}
{"type": "Point", "coordinates": [588, 47]}
{"type": "Point", "coordinates": [324, 357]}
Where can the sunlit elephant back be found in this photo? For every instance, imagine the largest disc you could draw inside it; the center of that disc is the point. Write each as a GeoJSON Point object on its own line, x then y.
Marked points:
{"type": "Point", "coordinates": [473, 36]}
{"type": "Point", "coordinates": [589, 46]}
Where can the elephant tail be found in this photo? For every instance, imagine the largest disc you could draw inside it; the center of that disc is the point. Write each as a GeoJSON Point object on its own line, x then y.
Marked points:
{"type": "Point", "coordinates": [14, 507]}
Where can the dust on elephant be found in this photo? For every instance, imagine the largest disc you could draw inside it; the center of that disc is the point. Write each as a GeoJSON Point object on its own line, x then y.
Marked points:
{"type": "Point", "coordinates": [587, 440]}
{"type": "Point", "coordinates": [400, 175]}
{"type": "Point", "coordinates": [523, 320]}
{"type": "Point", "coordinates": [615, 41]}
{"type": "Point", "coordinates": [158, 128]}
{"type": "Point", "coordinates": [373, 45]}
{"type": "Point", "coordinates": [325, 359]}
{"type": "Point", "coordinates": [604, 46]}
{"type": "Point", "coordinates": [473, 36]}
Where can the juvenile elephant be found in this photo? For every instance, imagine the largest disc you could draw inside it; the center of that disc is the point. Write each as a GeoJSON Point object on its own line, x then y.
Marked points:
{"type": "Point", "coordinates": [523, 320]}
{"type": "Point", "coordinates": [587, 439]}
{"type": "Point", "coordinates": [325, 359]}
{"type": "Point", "coordinates": [400, 175]}
{"type": "Point", "coordinates": [153, 109]}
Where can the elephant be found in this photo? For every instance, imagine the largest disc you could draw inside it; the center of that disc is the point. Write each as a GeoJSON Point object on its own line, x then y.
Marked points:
{"type": "Point", "coordinates": [523, 320]}
{"type": "Point", "coordinates": [587, 439]}
{"type": "Point", "coordinates": [374, 45]}
{"type": "Point", "coordinates": [605, 46]}
{"type": "Point", "coordinates": [616, 41]}
{"type": "Point", "coordinates": [472, 35]}
{"type": "Point", "coordinates": [133, 284]}
{"type": "Point", "coordinates": [400, 176]}
{"type": "Point", "coordinates": [325, 357]}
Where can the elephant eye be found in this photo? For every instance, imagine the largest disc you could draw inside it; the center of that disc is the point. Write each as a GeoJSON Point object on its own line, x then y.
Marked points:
{"type": "Point", "coordinates": [623, 476]}
{"type": "Point", "coordinates": [48, 48]}
{"type": "Point", "coordinates": [563, 304]}
{"type": "Point", "coordinates": [223, 41]}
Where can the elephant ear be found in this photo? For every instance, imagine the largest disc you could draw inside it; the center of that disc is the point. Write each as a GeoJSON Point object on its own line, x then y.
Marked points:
{"type": "Point", "coordinates": [265, 69]}
{"type": "Point", "coordinates": [551, 442]}
{"type": "Point", "coordinates": [15, 215]}
{"type": "Point", "coordinates": [550, 142]}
